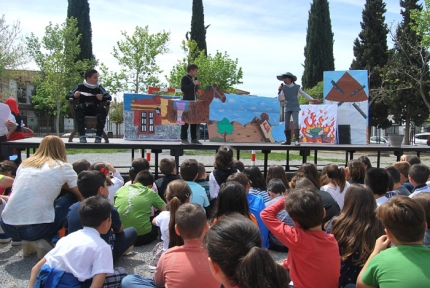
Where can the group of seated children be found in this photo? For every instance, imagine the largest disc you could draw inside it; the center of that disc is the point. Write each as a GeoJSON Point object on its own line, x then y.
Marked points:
{"type": "Point", "coordinates": [335, 227]}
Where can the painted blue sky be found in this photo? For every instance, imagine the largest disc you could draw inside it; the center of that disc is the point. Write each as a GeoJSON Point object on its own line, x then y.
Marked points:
{"type": "Point", "coordinates": [243, 109]}
{"type": "Point", "coordinates": [267, 36]}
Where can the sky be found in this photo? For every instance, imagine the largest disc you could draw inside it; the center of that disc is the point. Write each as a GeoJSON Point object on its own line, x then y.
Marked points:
{"type": "Point", "coordinates": [266, 36]}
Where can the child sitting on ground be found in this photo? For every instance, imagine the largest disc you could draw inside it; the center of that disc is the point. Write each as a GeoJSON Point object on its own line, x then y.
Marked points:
{"type": "Point", "coordinates": [182, 266]}
{"type": "Point", "coordinates": [189, 172]}
{"type": "Point", "coordinates": [134, 204]}
{"type": "Point", "coordinates": [92, 183]}
{"type": "Point", "coordinates": [81, 259]}
{"type": "Point", "coordinates": [337, 184]}
{"type": "Point", "coordinates": [223, 167]}
{"type": "Point", "coordinates": [405, 224]}
{"type": "Point", "coordinates": [7, 168]}
{"type": "Point", "coordinates": [177, 193]}
{"type": "Point", "coordinates": [378, 180]}
{"type": "Point", "coordinates": [424, 199]}
{"type": "Point", "coordinates": [168, 168]}
{"type": "Point", "coordinates": [115, 182]}
{"type": "Point", "coordinates": [81, 165]}
{"type": "Point", "coordinates": [418, 176]}
{"type": "Point", "coordinates": [313, 256]}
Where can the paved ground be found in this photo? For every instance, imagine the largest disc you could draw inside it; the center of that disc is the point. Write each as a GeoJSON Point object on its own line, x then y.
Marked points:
{"type": "Point", "coordinates": [15, 269]}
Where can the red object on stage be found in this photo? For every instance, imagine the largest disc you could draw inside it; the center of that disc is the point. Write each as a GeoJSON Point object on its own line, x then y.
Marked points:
{"type": "Point", "coordinates": [148, 156]}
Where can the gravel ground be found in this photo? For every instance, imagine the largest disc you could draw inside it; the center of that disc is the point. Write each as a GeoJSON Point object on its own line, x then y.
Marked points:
{"type": "Point", "coordinates": [15, 269]}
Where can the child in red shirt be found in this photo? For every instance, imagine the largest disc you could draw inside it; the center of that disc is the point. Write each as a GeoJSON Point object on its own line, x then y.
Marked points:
{"type": "Point", "coordinates": [313, 257]}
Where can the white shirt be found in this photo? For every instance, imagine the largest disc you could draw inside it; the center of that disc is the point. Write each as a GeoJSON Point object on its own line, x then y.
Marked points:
{"type": "Point", "coordinates": [213, 187]}
{"type": "Point", "coordinates": [336, 193]}
{"type": "Point", "coordinates": [381, 200]}
{"type": "Point", "coordinates": [34, 193]}
{"type": "Point", "coordinates": [117, 181]}
{"type": "Point", "coordinates": [162, 221]}
{"type": "Point", "coordinates": [3, 128]}
{"type": "Point", "coordinates": [425, 189]}
{"type": "Point", "coordinates": [83, 253]}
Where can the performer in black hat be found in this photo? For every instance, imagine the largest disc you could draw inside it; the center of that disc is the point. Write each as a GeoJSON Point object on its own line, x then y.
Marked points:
{"type": "Point", "coordinates": [288, 92]}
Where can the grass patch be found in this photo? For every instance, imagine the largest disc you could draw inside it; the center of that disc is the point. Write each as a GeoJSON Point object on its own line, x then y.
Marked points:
{"type": "Point", "coordinates": [74, 151]}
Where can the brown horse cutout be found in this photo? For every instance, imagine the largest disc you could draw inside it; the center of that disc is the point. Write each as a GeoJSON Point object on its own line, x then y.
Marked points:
{"type": "Point", "coordinates": [198, 111]}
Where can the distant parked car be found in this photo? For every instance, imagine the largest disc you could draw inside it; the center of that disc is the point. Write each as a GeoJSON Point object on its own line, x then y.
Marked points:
{"type": "Point", "coordinates": [421, 138]}
{"type": "Point", "coordinates": [378, 140]}
{"type": "Point", "coordinates": [27, 132]}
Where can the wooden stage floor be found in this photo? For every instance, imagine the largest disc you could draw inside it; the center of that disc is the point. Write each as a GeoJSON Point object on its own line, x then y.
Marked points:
{"type": "Point", "coordinates": [177, 149]}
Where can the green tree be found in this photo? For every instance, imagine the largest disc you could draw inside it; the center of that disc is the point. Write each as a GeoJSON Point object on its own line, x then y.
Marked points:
{"type": "Point", "coordinates": [55, 56]}
{"type": "Point", "coordinates": [405, 102]}
{"type": "Point", "coordinates": [136, 55]}
{"type": "Point", "coordinates": [111, 81]}
{"type": "Point", "coordinates": [218, 68]}
{"type": "Point", "coordinates": [421, 19]}
{"type": "Point", "coordinates": [116, 114]}
{"type": "Point", "coordinates": [319, 44]}
{"type": "Point", "coordinates": [316, 92]}
{"type": "Point", "coordinates": [198, 31]}
{"type": "Point", "coordinates": [80, 9]}
{"type": "Point", "coordinates": [12, 49]}
{"type": "Point", "coordinates": [225, 127]}
{"type": "Point", "coordinates": [371, 54]}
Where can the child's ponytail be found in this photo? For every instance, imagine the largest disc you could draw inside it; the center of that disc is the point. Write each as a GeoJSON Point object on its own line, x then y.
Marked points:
{"type": "Point", "coordinates": [336, 175]}
{"type": "Point", "coordinates": [177, 193]}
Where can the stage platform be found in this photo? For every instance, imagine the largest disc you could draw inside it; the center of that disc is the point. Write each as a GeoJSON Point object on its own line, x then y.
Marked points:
{"type": "Point", "coordinates": [177, 149]}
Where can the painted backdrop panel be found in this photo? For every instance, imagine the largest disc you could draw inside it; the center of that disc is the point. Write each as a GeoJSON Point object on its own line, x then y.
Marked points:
{"type": "Point", "coordinates": [318, 123]}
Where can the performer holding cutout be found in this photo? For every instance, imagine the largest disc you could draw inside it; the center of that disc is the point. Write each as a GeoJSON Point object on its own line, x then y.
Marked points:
{"type": "Point", "coordinates": [90, 94]}
{"type": "Point", "coordinates": [189, 86]}
{"type": "Point", "coordinates": [288, 92]}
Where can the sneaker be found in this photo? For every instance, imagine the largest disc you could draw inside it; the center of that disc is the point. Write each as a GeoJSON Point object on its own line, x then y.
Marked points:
{"type": "Point", "coordinates": [4, 238]}
{"type": "Point", "coordinates": [98, 139]}
{"type": "Point", "coordinates": [195, 141]}
{"type": "Point", "coordinates": [185, 141]}
{"type": "Point", "coordinates": [128, 250]}
{"type": "Point", "coordinates": [15, 242]}
{"type": "Point", "coordinates": [83, 139]}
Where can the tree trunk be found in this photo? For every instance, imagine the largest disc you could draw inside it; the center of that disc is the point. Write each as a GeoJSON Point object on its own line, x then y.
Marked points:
{"type": "Point", "coordinates": [225, 136]}
{"type": "Point", "coordinates": [116, 130]}
{"type": "Point", "coordinates": [57, 118]}
{"type": "Point", "coordinates": [406, 132]}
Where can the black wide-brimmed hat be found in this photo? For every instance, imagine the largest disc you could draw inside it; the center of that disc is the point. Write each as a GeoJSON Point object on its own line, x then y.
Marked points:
{"type": "Point", "coordinates": [286, 74]}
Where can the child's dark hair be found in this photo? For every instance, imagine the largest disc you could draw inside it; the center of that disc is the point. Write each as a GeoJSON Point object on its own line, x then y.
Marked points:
{"type": "Point", "coordinates": [394, 172]}
{"type": "Point", "coordinates": [81, 165]}
{"type": "Point", "coordinates": [139, 164]}
{"type": "Point", "coordinates": [145, 178]}
{"type": "Point", "coordinates": [424, 200]}
{"type": "Point", "coordinates": [305, 206]}
{"type": "Point", "coordinates": [177, 193]}
{"type": "Point", "coordinates": [413, 159]}
{"type": "Point", "coordinates": [310, 171]}
{"type": "Point", "coordinates": [238, 165]}
{"type": "Point", "coordinates": [192, 66]}
{"type": "Point", "coordinates": [276, 186]}
{"type": "Point", "coordinates": [419, 173]}
{"type": "Point", "coordinates": [336, 175]}
{"type": "Point", "coordinates": [90, 181]}
{"type": "Point", "coordinates": [365, 161]}
{"type": "Point", "coordinates": [231, 198]}
{"type": "Point", "coordinates": [356, 170]}
{"type": "Point", "coordinates": [240, 178]}
{"type": "Point", "coordinates": [189, 169]}
{"type": "Point", "coordinates": [377, 180]}
{"type": "Point", "coordinates": [234, 244]}
{"type": "Point", "coordinates": [304, 183]}
{"type": "Point", "coordinates": [224, 157]}
{"type": "Point", "coordinates": [94, 210]}
{"type": "Point", "coordinates": [277, 172]}
{"type": "Point", "coordinates": [89, 73]}
{"type": "Point", "coordinates": [390, 182]}
{"type": "Point", "coordinates": [167, 165]}
{"type": "Point", "coordinates": [256, 178]}
{"type": "Point", "coordinates": [102, 167]}
{"type": "Point", "coordinates": [8, 166]}
{"type": "Point", "coordinates": [404, 218]}
{"type": "Point", "coordinates": [190, 220]}
{"type": "Point", "coordinates": [201, 170]}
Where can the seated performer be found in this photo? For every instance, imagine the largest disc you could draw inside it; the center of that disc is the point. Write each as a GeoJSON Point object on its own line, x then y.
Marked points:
{"type": "Point", "coordinates": [90, 94]}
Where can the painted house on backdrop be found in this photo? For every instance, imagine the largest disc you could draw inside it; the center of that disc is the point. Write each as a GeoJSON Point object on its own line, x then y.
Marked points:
{"type": "Point", "coordinates": [348, 90]}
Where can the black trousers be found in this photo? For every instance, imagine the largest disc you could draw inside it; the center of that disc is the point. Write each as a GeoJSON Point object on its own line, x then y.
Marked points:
{"type": "Point", "coordinates": [193, 131]}
{"type": "Point", "coordinates": [83, 110]}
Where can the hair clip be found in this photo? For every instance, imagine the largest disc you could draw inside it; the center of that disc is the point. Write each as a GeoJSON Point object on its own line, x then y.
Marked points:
{"type": "Point", "coordinates": [187, 195]}
{"type": "Point", "coordinates": [104, 171]}
{"type": "Point", "coordinates": [132, 168]}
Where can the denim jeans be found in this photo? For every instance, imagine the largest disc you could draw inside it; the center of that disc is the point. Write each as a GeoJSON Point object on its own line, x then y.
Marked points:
{"type": "Point", "coordinates": [123, 241]}
{"type": "Point", "coordinates": [33, 232]}
{"type": "Point", "coordinates": [133, 280]}
{"type": "Point", "coordinates": [287, 118]}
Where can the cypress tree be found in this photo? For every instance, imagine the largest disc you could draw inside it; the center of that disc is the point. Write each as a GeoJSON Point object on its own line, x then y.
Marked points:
{"type": "Point", "coordinates": [198, 31]}
{"type": "Point", "coordinates": [370, 48]}
{"type": "Point", "coordinates": [80, 9]}
{"type": "Point", "coordinates": [319, 44]}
